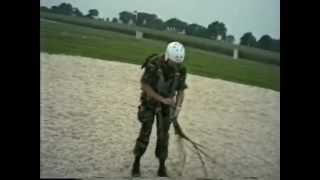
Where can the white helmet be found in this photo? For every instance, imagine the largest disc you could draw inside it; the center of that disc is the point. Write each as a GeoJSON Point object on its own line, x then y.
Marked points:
{"type": "Point", "coordinates": [175, 52]}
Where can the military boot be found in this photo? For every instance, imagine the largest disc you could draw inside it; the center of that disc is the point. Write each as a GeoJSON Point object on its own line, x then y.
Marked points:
{"type": "Point", "coordinates": [162, 171]}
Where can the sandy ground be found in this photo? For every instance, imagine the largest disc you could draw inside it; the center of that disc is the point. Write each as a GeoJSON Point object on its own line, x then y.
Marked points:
{"type": "Point", "coordinates": [89, 125]}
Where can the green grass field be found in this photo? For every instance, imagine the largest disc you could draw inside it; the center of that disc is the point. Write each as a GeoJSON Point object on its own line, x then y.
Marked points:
{"type": "Point", "coordinates": [85, 41]}
{"type": "Point", "coordinates": [249, 53]}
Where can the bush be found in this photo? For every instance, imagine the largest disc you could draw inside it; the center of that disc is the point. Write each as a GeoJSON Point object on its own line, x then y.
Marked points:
{"type": "Point", "coordinates": [196, 42]}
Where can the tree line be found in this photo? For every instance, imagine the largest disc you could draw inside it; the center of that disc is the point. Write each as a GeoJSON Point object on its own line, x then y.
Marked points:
{"type": "Point", "coordinates": [215, 30]}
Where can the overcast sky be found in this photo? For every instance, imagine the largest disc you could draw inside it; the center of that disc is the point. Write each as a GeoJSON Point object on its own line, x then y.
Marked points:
{"type": "Point", "coordinates": [240, 16]}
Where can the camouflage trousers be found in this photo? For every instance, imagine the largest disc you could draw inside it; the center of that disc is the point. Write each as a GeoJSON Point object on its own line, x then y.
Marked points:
{"type": "Point", "coordinates": [147, 115]}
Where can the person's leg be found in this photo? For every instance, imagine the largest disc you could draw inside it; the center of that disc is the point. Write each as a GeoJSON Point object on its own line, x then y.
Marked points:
{"type": "Point", "coordinates": [146, 117]}
{"type": "Point", "coordinates": [163, 125]}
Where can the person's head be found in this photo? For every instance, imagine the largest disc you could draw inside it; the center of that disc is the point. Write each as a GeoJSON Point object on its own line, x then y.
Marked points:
{"type": "Point", "coordinates": [174, 54]}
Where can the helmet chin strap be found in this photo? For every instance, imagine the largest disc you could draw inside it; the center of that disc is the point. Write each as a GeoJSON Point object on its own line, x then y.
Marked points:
{"type": "Point", "coordinates": [165, 57]}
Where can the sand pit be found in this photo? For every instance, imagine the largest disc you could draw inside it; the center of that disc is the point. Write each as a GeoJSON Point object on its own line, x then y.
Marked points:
{"type": "Point", "coordinates": [89, 125]}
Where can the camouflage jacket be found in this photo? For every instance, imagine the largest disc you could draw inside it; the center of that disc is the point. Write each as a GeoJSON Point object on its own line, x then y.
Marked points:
{"type": "Point", "coordinates": [152, 77]}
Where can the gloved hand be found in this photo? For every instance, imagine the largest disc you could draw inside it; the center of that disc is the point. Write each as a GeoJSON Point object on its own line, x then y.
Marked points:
{"type": "Point", "coordinates": [168, 101]}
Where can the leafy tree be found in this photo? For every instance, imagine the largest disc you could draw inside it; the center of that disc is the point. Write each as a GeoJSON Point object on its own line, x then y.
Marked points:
{"type": "Point", "coordinates": [77, 12]}
{"type": "Point", "coordinates": [265, 42]}
{"type": "Point", "coordinates": [126, 16]}
{"type": "Point", "coordinates": [93, 13]}
{"type": "Point", "coordinates": [157, 24]}
{"type": "Point", "coordinates": [63, 8]}
{"type": "Point", "coordinates": [230, 38]}
{"type": "Point", "coordinates": [114, 20]}
{"type": "Point", "coordinates": [217, 28]}
{"type": "Point", "coordinates": [248, 39]}
{"type": "Point", "coordinates": [44, 9]}
{"type": "Point", "coordinates": [276, 45]}
{"type": "Point", "coordinates": [146, 17]}
{"type": "Point", "coordinates": [197, 30]}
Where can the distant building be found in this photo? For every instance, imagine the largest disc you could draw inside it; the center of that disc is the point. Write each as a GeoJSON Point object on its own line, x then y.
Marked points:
{"type": "Point", "coordinates": [173, 29]}
{"type": "Point", "coordinates": [144, 22]}
{"type": "Point", "coordinates": [130, 22]}
{"type": "Point", "coordinates": [182, 32]}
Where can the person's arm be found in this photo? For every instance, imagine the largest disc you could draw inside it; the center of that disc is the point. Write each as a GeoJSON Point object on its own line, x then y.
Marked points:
{"type": "Point", "coordinates": [180, 98]}
{"type": "Point", "coordinates": [180, 90]}
{"type": "Point", "coordinates": [148, 89]}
